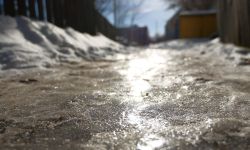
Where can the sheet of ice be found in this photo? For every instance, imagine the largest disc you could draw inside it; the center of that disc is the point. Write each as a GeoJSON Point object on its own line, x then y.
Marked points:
{"type": "Point", "coordinates": [26, 44]}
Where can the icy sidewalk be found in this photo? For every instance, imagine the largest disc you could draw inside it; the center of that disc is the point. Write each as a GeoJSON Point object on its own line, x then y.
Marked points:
{"type": "Point", "coordinates": [29, 44]}
{"type": "Point", "coordinates": [155, 99]}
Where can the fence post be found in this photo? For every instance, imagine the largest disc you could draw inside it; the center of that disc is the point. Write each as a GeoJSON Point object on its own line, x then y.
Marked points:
{"type": "Point", "coordinates": [87, 9]}
{"type": "Point", "coordinates": [70, 10]}
{"type": "Point", "coordinates": [234, 21]}
{"type": "Point", "coordinates": [9, 8]}
{"type": "Point", "coordinates": [58, 11]}
{"type": "Point", "coordinates": [22, 9]}
{"type": "Point", "coordinates": [244, 22]}
{"type": "Point", "coordinates": [40, 9]}
{"type": "Point", "coordinates": [49, 12]}
{"type": "Point", "coordinates": [32, 9]}
{"type": "Point", "coordinates": [221, 15]}
{"type": "Point", "coordinates": [247, 33]}
{"type": "Point", "coordinates": [1, 8]}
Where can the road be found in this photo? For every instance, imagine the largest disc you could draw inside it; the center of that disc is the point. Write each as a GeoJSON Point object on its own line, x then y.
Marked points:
{"type": "Point", "coordinates": [152, 99]}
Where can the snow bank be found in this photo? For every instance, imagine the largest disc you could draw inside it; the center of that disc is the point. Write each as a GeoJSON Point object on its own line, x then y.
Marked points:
{"type": "Point", "coordinates": [228, 52]}
{"type": "Point", "coordinates": [26, 44]}
{"type": "Point", "coordinates": [214, 48]}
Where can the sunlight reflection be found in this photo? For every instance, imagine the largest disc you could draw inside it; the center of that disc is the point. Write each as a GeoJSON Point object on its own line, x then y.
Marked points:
{"type": "Point", "coordinates": [145, 67]}
{"type": "Point", "coordinates": [139, 88]}
{"type": "Point", "coordinates": [139, 74]}
{"type": "Point", "coordinates": [151, 142]}
{"type": "Point", "coordinates": [135, 118]}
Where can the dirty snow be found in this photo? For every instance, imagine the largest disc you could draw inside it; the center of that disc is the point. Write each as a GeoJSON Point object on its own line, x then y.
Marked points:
{"type": "Point", "coordinates": [210, 48]}
{"type": "Point", "coordinates": [26, 44]}
{"type": "Point", "coordinates": [32, 44]}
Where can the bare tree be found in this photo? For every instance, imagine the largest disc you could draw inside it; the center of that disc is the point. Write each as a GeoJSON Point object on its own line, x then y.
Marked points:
{"type": "Point", "coordinates": [135, 12]}
{"type": "Point", "coordinates": [105, 7]}
{"type": "Point", "coordinates": [192, 4]}
{"type": "Point", "coordinates": [125, 12]}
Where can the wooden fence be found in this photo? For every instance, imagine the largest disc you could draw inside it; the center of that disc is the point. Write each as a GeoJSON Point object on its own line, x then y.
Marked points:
{"type": "Point", "coordinates": [104, 27]}
{"type": "Point", "coordinates": [234, 21]}
{"type": "Point", "coordinates": [78, 14]}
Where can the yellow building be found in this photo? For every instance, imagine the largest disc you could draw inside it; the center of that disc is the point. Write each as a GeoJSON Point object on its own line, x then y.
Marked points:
{"type": "Point", "coordinates": [197, 24]}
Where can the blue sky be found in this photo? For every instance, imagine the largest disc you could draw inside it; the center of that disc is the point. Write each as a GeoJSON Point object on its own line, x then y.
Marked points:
{"type": "Point", "coordinates": [154, 15]}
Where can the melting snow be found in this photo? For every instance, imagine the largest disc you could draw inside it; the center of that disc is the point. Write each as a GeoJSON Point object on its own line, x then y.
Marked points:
{"type": "Point", "coordinates": [26, 44]}
{"type": "Point", "coordinates": [210, 48]}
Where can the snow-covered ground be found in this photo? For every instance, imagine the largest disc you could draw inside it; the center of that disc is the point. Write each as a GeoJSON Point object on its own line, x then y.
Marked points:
{"type": "Point", "coordinates": [32, 44]}
{"type": "Point", "coordinates": [210, 48]}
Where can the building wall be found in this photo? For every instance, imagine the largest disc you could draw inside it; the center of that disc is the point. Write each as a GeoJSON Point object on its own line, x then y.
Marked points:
{"type": "Point", "coordinates": [197, 26]}
{"type": "Point", "coordinates": [135, 35]}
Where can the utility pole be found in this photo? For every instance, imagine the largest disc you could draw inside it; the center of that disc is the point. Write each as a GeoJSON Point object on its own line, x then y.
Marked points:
{"type": "Point", "coordinates": [156, 29]}
{"type": "Point", "coordinates": [115, 12]}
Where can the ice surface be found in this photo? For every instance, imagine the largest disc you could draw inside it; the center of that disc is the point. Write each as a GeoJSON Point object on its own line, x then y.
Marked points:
{"type": "Point", "coordinates": [26, 44]}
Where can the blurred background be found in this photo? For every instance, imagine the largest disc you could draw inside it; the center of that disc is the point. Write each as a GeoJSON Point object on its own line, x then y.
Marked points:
{"type": "Point", "coordinates": [140, 22]}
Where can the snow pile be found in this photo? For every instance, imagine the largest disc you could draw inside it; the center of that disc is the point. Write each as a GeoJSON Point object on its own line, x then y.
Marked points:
{"type": "Point", "coordinates": [26, 44]}
{"type": "Point", "coordinates": [178, 44]}
{"type": "Point", "coordinates": [228, 52]}
{"type": "Point", "coordinates": [214, 48]}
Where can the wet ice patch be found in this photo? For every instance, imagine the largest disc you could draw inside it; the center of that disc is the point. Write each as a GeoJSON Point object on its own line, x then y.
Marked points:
{"type": "Point", "coordinates": [227, 125]}
{"type": "Point", "coordinates": [210, 134]}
